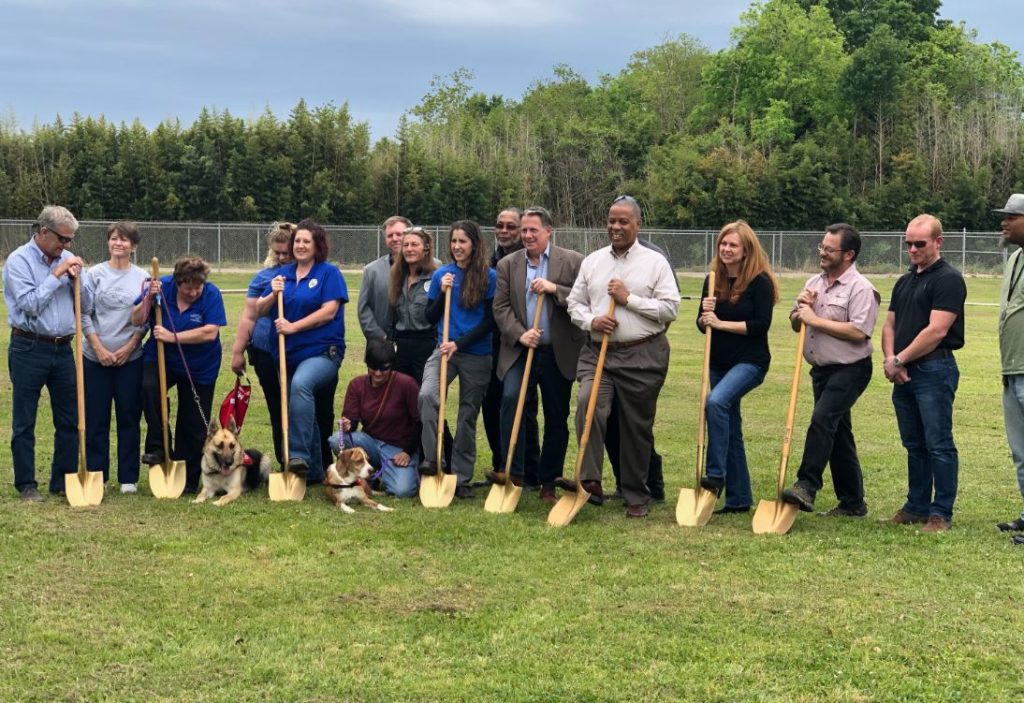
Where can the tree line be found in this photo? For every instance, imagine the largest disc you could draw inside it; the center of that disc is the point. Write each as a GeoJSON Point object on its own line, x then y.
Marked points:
{"type": "Point", "coordinates": [820, 110]}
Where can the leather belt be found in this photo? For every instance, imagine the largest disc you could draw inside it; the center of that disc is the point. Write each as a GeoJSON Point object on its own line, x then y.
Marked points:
{"type": "Point", "coordinates": [631, 343]}
{"type": "Point", "coordinates": [940, 353]}
{"type": "Point", "coordinates": [15, 332]}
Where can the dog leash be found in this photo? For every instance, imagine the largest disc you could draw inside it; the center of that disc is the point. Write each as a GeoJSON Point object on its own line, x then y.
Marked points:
{"type": "Point", "coordinates": [195, 394]}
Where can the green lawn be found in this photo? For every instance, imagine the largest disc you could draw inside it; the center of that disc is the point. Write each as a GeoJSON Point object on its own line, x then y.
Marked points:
{"type": "Point", "coordinates": [158, 601]}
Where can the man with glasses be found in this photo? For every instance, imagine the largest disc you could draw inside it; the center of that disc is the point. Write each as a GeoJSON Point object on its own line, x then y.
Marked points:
{"type": "Point", "coordinates": [839, 308]}
{"type": "Point", "coordinates": [923, 327]}
{"type": "Point", "coordinates": [1011, 345]}
{"type": "Point", "coordinates": [39, 292]}
{"type": "Point", "coordinates": [506, 241]}
{"type": "Point", "coordinates": [541, 268]}
{"type": "Point", "coordinates": [373, 308]}
{"type": "Point", "coordinates": [644, 289]}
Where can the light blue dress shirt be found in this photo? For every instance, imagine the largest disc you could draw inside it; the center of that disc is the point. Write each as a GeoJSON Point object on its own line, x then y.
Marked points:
{"type": "Point", "coordinates": [532, 272]}
{"type": "Point", "coordinates": [36, 300]}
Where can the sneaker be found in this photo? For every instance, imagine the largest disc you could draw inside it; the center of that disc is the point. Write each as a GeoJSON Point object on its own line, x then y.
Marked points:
{"type": "Point", "coordinates": [799, 496]}
{"type": "Point", "coordinates": [128, 488]}
{"type": "Point", "coordinates": [730, 509]}
{"type": "Point", "coordinates": [936, 523]}
{"type": "Point", "coordinates": [299, 467]}
{"type": "Point", "coordinates": [1012, 526]}
{"type": "Point", "coordinates": [1017, 539]}
{"type": "Point", "coordinates": [904, 518]}
{"type": "Point", "coordinates": [428, 468]}
{"type": "Point", "coordinates": [152, 458]}
{"type": "Point", "coordinates": [31, 495]}
{"type": "Point", "coordinates": [840, 511]}
{"type": "Point", "coordinates": [715, 484]}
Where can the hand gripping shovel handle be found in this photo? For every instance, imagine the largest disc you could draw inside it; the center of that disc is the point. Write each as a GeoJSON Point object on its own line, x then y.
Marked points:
{"type": "Point", "coordinates": [79, 376]}
{"type": "Point", "coordinates": [705, 383]}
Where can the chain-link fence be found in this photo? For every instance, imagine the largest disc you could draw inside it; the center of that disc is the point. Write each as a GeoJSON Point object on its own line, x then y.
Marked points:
{"type": "Point", "coordinates": [243, 245]}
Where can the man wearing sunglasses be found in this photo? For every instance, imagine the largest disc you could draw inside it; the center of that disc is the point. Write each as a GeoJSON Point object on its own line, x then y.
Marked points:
{"type": "Point", "coordinates": [839, 308]}
{"type": "Point", "coordinates": [1011, 345]}
{"type": "Point", "coordinates": [923, 327]}
{"type": "Point", "coordinates": [39, 292]}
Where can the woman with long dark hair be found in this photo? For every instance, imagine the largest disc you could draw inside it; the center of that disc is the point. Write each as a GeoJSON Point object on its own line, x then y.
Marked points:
{"type": "Point", "coordinates": [472, 284]}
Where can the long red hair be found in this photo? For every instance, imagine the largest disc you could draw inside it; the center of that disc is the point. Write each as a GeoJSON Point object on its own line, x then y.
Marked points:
{"type": "Point", "coordinates": [755, 262]}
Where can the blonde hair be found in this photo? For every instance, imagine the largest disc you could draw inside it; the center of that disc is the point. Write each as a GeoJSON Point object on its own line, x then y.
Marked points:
{"type": "Point", "coordinates": [755, 262]}
{"type": "Point", "coordinates": [280, 233]}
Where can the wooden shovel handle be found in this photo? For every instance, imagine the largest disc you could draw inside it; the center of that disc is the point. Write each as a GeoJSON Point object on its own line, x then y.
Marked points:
{"type": "Point", "coordinates": [522, 392]}
{"type": "Point", "coordinates": [595, 389]}
{"type": "Point", "coordinates": [79, 373]}
{"type": "Point", "coordinates": [282, 371]}
{"type": "Point", "coordinates": [443, 377]}
{"type": "Point", "coordinates": [161, 367]}
{"type": "Point", "coordinates": [787, 438]}
{"type": "Point", "coordinates": [705, 383]}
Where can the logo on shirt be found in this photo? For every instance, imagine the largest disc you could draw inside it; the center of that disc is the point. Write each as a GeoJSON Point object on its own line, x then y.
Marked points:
{"type": "Point", "coordinates": [426, 287]}
{"type": "Point", "coordinates": [313, 282]}
{"type": "Point", "coordinates": [195, 318]}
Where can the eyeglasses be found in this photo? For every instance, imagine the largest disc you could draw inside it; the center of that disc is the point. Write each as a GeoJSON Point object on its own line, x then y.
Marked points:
{"type": "Point", "coordinates": [66, 241]}
{"type": "Point", "coordinates": [917, 244]}
{"type": "Point", "coordinates": [413, 230]}
{"type": "Point", "coordinates": [507, 226]}
{"type": "Point", "coordinates": [828, 250]}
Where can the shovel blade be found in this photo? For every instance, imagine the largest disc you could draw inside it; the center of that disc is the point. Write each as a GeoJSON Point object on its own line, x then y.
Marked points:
{"type": "Point", "coordinates": [563, 512]}
{"type": "Point", "coordinates": [167, 480]}
{"type": "Point", "coordinates": [511, 498]}
{"type": "Point", "coordinates": [286, 486]}
{"type": "Point", "coordinates": [773, 517]}
{"type": "Point", "coordinates": [437, 491]}
{"type": "Point", "coordinates": [84, 488]}
{"type": "Point", "coordinates": [695, 507]}
{"type": "Point", "coordinates": [495, 498]}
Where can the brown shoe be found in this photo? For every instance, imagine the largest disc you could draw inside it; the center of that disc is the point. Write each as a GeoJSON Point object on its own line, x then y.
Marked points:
{"type": "Point", "coordinates": [566, 484]}
{"type": "Point", "coordinates": [638, 510]}
{"type": "Point", "coordinates": [904, 518]}
{"type": "Point", "coordinates": [497, 477]}
{"type": "Point", "coordinates": [936, 523]}
{"type": "Point", "coordinates": [594, 489]}
{"type": "Point", "coordinates": [547, 494]}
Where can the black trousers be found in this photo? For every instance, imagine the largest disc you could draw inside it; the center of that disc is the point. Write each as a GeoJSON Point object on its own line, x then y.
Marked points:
{"type": "Point", "coordinates": [830, 434]}
{"type": "Point", "coordinates": [267, 373]}
{"type": "Point", "coordinates": [655, 473]}
{"type": "Point", "coordinates": [189, 431]}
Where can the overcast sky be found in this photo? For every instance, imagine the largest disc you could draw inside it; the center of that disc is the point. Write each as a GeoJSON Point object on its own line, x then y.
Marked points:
{"type": "Point", "coordinates": [154, 59]}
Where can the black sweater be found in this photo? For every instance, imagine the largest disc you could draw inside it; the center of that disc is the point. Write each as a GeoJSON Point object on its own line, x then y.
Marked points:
{"type": "Point", "coordinates": [755, 308]}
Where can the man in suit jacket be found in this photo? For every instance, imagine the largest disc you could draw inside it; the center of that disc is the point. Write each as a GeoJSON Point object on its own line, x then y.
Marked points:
{"type": "Point", "coordinates": [540, 268]}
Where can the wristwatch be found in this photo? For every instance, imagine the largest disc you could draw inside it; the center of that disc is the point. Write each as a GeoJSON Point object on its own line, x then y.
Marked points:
{"type": "Point", "coordinates": [896, 361]}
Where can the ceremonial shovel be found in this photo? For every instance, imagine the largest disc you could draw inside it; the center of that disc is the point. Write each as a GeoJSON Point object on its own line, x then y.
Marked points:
{"type": "Point", "coordinates": [438, 491]}
{"type": "Point", "coordinates": [285, 485]}
{"type": "Point", "coordinates": [82, 488]}
{"type": "Point", "coordinates": [166, 480]}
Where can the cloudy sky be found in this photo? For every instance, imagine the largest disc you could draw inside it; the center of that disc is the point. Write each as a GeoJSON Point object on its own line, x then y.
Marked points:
{"type": "Point", "coordinates": [155, 59]}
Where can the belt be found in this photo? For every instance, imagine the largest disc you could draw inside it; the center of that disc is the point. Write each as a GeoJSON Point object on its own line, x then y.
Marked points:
{"type": "Point", "coordinates": [940, 353]}
{"type": "Point", "coordinates": [631, 343]}
{"type": "Point", "coordinates": [15, 332]}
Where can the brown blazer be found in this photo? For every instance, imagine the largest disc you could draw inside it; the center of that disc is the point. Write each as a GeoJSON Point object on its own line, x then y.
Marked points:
{"type": "Point", "coordinates": [510, 309]}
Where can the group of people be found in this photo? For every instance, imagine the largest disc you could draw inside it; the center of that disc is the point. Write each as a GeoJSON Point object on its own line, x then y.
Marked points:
{"type": "Point", "coordinates": [482, 312]}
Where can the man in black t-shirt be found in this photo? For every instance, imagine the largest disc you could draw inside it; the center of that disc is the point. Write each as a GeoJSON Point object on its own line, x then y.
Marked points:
{"type": "Point", "coordinates": [925, 323]}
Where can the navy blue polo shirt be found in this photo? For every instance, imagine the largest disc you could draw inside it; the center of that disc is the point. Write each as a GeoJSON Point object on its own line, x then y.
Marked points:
{"type": "Point", "coordinates": [204, 358]}
{"type": "Point", "coordinates": [323, 283]}
{"type": "Point", "coordinates": [263, 334]}
{"type": "Point", "coordinates": [462, 321]}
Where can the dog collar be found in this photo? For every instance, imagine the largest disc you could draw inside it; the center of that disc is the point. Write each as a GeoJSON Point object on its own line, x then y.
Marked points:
{"type": "Point", "coordinates": [343, 485]}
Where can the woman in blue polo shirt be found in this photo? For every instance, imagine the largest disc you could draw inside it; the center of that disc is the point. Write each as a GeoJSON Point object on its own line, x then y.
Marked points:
{"type": "Point", "coordinates": [468, 350]}
{"type": "Point", "coordinates": [256, 334]}
{"type": "Point", "coordinates": [193, 313]}
{"type": "Point", "coordinates": [314, 327]}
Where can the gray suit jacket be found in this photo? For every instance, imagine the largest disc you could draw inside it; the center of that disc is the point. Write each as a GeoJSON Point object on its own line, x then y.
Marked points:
{"type": "Point", "coordinates": [373, 308]}
{"type": "Point", "coordinates": [510, 309]}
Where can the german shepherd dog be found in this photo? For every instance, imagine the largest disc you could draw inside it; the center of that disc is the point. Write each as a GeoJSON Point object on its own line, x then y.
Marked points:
{"type": "Point", "coordinates": [227, 468]}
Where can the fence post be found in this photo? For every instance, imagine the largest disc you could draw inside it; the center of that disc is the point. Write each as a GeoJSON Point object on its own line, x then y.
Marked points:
{"type": "Point", "coordinates": [899, 250]}
{"type": "Point", "coordinates": [257, 246]}
{"type": "Point", "coordinates": [378, 243]}
{"type": "Point", "coordinates": [218, 247]}
{"type": "Point", "coordinates": [963, 251]}
{"type": "Point", "coordinates": [188, 240]}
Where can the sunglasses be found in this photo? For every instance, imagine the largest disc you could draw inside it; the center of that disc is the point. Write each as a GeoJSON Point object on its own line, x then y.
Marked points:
{"type": "Point", "coordinates": [916, 244]}
{"type": "Point", "coordinates": [507, 226]}
{"type": "Point", "coordinates": [382, 369]}
{"type": "Point", "coordinates": [66, 241]}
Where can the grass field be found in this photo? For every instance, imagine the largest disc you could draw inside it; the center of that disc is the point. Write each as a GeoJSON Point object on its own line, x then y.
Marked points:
{"type": "Point", "coordinates": [139, 600]}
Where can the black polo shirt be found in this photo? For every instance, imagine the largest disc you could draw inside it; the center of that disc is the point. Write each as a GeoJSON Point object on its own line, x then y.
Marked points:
{"type": "Point", "coordinates": [915, 295]}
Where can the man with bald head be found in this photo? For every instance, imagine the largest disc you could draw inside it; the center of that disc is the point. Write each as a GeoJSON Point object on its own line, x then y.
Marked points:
{"type": "Point", "coordinates": [643, 286]}
{"type": "Point", "coordinates": [39, 278]}
{"type": "Point", "coordinates": [923, 327]}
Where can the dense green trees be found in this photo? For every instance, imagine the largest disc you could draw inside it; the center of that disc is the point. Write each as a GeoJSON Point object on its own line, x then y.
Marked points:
{"type": "Point", "coordinates": [865, 110]}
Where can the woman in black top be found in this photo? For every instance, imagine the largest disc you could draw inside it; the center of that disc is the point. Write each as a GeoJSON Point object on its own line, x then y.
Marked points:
{"type": "Point", "coordinates": [740, 313]}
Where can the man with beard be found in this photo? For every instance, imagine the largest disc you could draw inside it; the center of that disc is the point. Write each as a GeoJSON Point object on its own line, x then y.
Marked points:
{"type": "Point", "coordinates": [839, 308]}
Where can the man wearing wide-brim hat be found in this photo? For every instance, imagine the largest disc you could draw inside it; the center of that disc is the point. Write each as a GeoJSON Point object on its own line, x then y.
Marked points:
{"type": "Point", "coordinates": [1011, 344]}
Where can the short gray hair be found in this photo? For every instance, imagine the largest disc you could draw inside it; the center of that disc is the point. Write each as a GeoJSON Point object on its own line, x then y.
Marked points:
{"type": "Point", "coordinates": [54, 216]}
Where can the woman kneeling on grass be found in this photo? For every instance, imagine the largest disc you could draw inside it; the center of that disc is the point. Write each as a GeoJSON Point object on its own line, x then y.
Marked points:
{"type": "Point", "coordinates": [315, 294]}
{"type": "Point", "coordinates": [384, 403]}
{"type": "Point", "coordinates": [739, 311]}
{"type": "Point", "coordinates": [472, 283]}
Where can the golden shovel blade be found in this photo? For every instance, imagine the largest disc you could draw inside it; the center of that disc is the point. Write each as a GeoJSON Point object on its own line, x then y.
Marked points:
{"type": "Point", "coordinates": [774, 517]}
{"type": "Point", "coordinates": [84, 488]}
{"type": "Point", "coordinates": [437, 491]}
{"type": "Point", "coordinates": [695, 507]}
{"type": "Point", "coordinates": [286, 486]}
{"type": "Point", "coordinates": [567, 506]}
{"type": "Point", "coordinates": [503, 497]}
{"type": "Point", "coordinates": [167, 480]}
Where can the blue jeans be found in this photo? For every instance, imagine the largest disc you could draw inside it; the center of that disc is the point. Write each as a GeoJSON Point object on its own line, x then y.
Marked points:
{"type": "Point", "coordinates": [33, 364]}
{"type": "Point", "coordinates": [1013, 418]}
{"type": "Point", "coordinates": [399, 481]}
{"type": "Point", "coordinates": [122, 386]}
{"type": "Point", "coordinates": [304, 382]}
{"type": "Point", "coordinates": [726, 455]}
{"type": "Point", "coordinates": [924, 413]}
